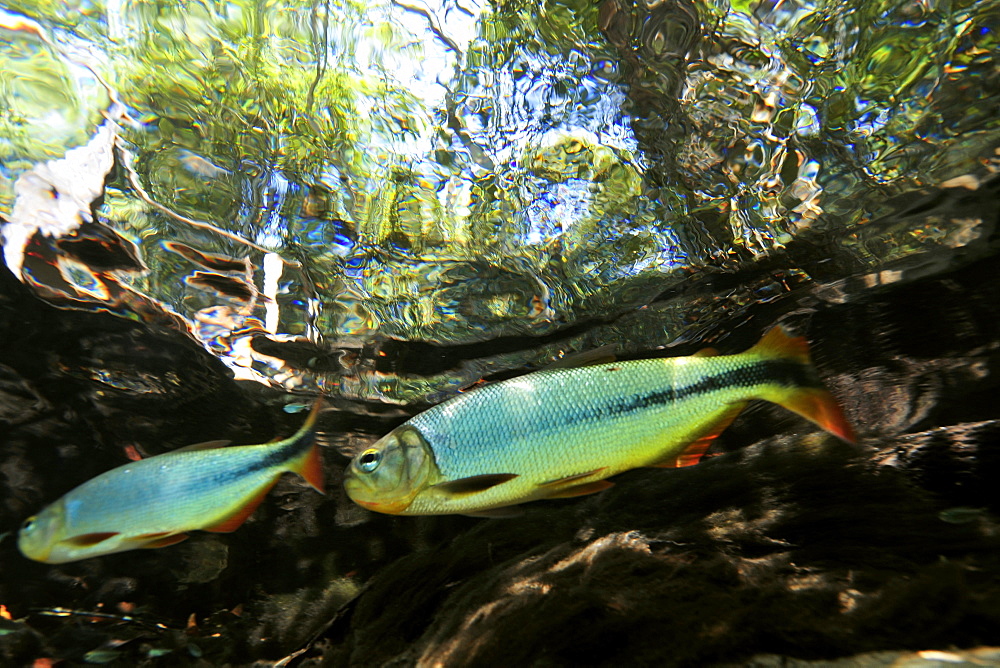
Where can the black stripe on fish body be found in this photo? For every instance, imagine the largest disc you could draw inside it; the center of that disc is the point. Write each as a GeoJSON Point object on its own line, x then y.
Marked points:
{"type": "Point", "coordinates": [272, 459]}
{"type": "Point", "coordinates": [774, 372]}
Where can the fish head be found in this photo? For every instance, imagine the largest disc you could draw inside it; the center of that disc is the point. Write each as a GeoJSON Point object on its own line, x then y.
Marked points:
{"type": "Point", "coordinates": [46, 537]}
{"type": "Point", "coordinates": [41, 533]}
{"type": "Point", "coordinates": [388, 476]}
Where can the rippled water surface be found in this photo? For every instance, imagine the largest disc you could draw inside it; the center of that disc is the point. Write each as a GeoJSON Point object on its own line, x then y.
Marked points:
{"type": "Point", "coordinates": [392, 200]}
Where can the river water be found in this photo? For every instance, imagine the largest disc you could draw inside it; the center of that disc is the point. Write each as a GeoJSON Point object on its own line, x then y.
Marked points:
{"type": "Point", "coordinates": [390, 202]}
{"type": "Point", "coordinates": [311, 189]}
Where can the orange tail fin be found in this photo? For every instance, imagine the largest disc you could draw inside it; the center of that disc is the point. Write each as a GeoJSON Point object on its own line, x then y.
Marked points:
{"type": "Point", "coordinates": [309, 465]}
{"type": "Point", "coordinates": [819, 406]}
{"type": "Point", "coordinates": [813, 403]}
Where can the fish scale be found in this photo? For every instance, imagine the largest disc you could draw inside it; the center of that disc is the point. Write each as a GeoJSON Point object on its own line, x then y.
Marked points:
{"type": "Point", "coordinates": [577, 430]}
{"type": "Point", "coordinates": [558, 432]}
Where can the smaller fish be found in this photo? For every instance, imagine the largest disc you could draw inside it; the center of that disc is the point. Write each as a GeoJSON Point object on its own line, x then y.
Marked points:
{"type": "Point", "coordinates": [961, 515]}
{"type": "Point", "coordinates": [155, 502]}
{"type": "Point", "coordinates": [200, 166]}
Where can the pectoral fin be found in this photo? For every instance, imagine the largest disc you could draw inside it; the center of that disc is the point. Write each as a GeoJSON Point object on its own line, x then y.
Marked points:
{"type": "Point", "coordinates": [473, 484]}
{"type": "Point", "coordinates": [90, 539]}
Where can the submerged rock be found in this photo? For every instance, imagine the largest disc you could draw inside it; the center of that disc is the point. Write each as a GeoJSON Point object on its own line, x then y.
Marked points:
{"type": "Point", "coordinates": [787, 544]}
{"type": "Point", "coordinates": [795, 546]}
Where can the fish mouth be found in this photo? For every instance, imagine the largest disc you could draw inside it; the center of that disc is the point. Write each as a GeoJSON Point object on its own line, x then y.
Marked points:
{"type": "Point", "coordinates": [357, 490]}
{"type": "Point", "coordinates": [40, 555]}
{"type": "Point", "coordinates": [35, 542]}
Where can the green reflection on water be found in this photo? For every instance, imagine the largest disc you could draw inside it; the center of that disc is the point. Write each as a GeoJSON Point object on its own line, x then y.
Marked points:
{"type": "Point", "coordinates": [452, 173]}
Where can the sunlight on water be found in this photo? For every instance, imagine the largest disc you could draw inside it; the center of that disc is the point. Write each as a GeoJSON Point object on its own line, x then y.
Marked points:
{"type": "Point", "coordinates": [339, 174]}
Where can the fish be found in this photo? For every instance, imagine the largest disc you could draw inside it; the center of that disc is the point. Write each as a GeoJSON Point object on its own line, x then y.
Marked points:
{"type": "Point", "coordinates": [199, 165]}
{"type": "Point", "coordinates": [561, 432]}
{"type": "Point", "coordinates": [155, 502]}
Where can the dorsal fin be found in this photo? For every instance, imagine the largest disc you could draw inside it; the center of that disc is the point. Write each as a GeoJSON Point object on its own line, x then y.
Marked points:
{"type": "Point", "coordinates": [603, 355]}
{"type": "Point", "coordinates": [204, 445]}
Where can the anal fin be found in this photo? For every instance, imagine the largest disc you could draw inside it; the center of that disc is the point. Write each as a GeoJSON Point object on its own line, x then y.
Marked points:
{"type": "Point", "coordinates": [233, 521]}
{"type": "Point", "coordinates": [695, 450]}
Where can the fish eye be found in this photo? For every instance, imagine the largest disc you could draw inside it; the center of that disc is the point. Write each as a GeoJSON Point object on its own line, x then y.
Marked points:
{"type": "Point", "coordinates": [369, 460]}
{"type": "Point", "coordinates": [28, 524]}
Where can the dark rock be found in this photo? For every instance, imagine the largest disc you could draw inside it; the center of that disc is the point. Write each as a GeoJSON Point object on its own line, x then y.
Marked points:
{"type": "Point", "coordinates": [796, 546]}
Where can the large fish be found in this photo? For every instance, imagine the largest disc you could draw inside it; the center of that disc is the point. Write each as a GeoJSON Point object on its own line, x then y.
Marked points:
{"type": "Point", "coordinates": [154, 502]}
{"type": "Point", "coordinates": [561, 432]}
